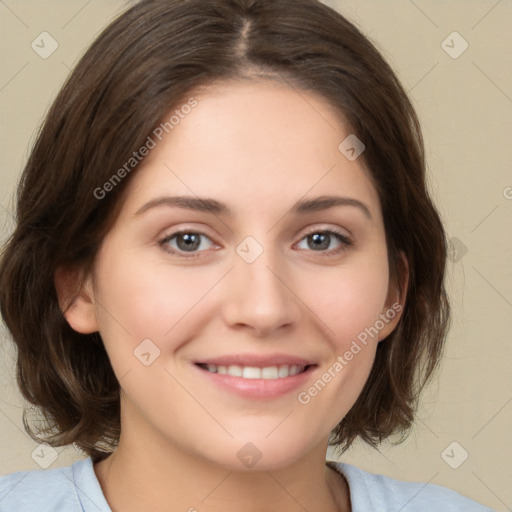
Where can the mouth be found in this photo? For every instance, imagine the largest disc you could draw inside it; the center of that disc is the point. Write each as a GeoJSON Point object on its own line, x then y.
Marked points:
{"type": "Point", "coordinates": [257, 377]}
{"type": "Point", "coordinates": [255, 372]}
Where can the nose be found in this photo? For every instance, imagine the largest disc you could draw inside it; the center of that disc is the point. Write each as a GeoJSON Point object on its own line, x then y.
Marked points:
{"type": "Point", "coordinates": [260, 297]}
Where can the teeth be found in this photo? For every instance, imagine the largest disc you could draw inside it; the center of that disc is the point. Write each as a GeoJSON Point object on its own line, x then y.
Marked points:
{"type": "Point", "coordinates": [235, 371]}
{"type": "Point", "coordinates": [283, 371]}
{"type": "Point", "coordinates": [252, 372]}
{"type": "Point", "coordinates": [270, 372]}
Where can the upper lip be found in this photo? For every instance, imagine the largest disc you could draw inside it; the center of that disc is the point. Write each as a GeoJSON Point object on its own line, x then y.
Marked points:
{"type": "Point", "coordinates": [256, 360]}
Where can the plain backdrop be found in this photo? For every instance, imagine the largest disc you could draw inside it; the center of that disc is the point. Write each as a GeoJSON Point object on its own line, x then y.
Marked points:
{"type": "Point", "coordinates": [464, 100]}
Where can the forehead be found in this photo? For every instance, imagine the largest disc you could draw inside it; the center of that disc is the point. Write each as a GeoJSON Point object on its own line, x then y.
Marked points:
{"type": "Point", "coordinates": [260, 139]}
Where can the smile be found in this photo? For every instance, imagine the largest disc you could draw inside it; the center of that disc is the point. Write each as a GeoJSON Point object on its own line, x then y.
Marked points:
{"type": "Point", "coordinates": [260, 378]}
{"type": "Point", "coordinates": [254, 372]}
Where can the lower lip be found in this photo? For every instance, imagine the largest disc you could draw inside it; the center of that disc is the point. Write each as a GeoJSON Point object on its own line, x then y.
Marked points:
{"type": "Point", "coordinates": [258, 388]}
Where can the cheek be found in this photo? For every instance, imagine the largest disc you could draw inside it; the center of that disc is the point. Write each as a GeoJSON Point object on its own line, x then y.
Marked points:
{"type": "Point", "coordinates": [350, 298]}
{"type": "Point", "coordinates": [139, 301]}
{"type": "Point", "coordinates": [348, 303]}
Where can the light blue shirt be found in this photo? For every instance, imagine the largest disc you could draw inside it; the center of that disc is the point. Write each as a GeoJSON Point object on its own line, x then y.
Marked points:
{"type": "Point", "coordinates": [76, 489]}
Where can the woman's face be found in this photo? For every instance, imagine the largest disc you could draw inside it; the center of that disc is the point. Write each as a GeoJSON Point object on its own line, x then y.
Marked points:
{"type": "Point", "coordinates": [246, 338]}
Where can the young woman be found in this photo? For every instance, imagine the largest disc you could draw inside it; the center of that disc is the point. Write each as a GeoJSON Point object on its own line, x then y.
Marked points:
{"type": "Point", "coordinates": [226, 259]}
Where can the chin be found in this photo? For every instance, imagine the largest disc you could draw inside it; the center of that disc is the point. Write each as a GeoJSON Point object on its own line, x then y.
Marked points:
{"type": "Point", "coordinates": [258, 453]}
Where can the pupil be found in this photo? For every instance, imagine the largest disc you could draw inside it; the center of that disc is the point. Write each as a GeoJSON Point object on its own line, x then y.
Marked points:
{"type": "Point", "coordinates": [321, 240]}
{"type": "Point", "coordinates": [189, 241]}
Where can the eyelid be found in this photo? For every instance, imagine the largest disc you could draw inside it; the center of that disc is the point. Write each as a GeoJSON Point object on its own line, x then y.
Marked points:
{"type": "Point", "coordinates": [173, 231]}
{"type": "Point", "coordinates": [328, 229]}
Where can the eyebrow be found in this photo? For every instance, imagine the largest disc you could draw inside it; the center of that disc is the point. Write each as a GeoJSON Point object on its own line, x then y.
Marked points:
{"type": "Point", "coordinates": [209, 205]}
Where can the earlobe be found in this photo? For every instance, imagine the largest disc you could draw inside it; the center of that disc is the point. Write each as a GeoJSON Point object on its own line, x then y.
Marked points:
{"type": "Point", "coordinates": [76, 300]}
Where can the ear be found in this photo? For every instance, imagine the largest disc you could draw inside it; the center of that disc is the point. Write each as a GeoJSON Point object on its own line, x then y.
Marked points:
{"type": "Point", "coordinates": [395, 301]}
{"type": "Point", "coordinates": [76, 299]}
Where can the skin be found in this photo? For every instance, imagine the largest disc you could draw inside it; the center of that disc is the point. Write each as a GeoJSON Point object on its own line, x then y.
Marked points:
{"type": "Point", "coordinates": [258, 147]}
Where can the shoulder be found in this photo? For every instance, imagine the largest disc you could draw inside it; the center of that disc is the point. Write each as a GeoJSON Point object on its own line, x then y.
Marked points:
{"type": "Point", "coordinates": [42, 490]}
{"type": "Point", "coordinates": [52, 490]}
{"type": "Point", "coordinates": [380, 493]}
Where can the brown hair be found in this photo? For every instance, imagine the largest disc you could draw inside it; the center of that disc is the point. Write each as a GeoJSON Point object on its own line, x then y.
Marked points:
{"type": "Point", "coordinates": [144, 63]}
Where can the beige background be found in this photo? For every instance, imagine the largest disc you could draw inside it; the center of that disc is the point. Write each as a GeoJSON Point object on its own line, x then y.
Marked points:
{"type": "Point", "coordinates": [465, 105]}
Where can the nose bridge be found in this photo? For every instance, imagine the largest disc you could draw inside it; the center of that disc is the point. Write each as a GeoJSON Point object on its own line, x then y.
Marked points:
{"type": "Point", "coordinates": [259, 296]}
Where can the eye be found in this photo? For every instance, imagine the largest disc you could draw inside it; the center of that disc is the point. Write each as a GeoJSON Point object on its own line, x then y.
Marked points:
{"type": "Point", "coordinates": [190, 244]}
{"type": "Point", "coordinates": [322, 241]}
{"type": "Point", "coordinates": [185, 242]}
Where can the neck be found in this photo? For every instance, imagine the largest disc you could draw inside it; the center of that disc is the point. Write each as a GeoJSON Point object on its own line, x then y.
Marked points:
{"type": "Point", "coordinates": [158, 476]}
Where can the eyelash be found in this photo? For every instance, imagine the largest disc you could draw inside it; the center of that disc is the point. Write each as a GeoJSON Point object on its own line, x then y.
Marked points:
{"type": "Point", "coordinates": [345, 243]}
